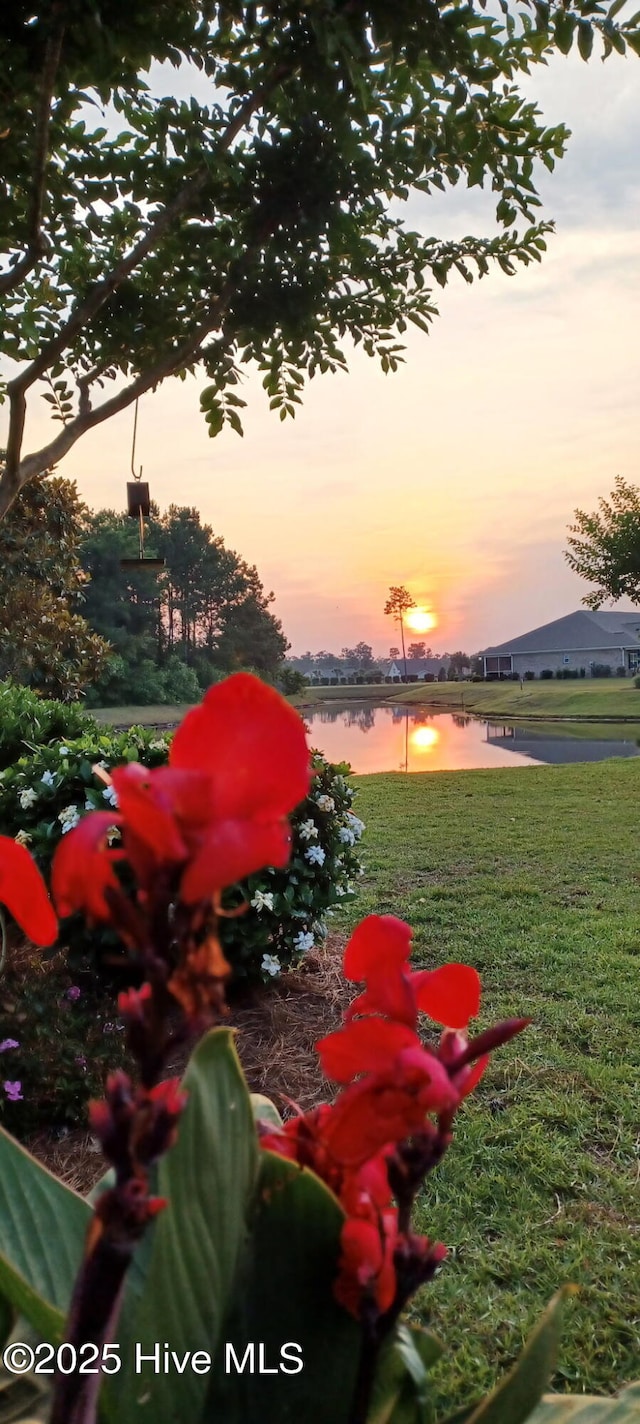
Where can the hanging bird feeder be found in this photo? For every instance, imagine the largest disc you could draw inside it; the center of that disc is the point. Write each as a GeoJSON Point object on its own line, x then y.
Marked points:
{"type": "Point", "coordinates": [139, 507]}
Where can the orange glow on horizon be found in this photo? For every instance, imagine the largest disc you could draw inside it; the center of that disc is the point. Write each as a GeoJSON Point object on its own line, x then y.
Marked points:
{"type": "Point", "coordinates": [421, 620]}
{"type": "Point", "coordinates": [424, 738]}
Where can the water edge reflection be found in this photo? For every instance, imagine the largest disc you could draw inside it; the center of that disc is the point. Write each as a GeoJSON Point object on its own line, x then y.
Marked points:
{"type": "Point", "coordinates": [392, 737]}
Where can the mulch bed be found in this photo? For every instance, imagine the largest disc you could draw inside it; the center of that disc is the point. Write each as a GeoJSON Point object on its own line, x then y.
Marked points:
{"type": "Point", "coordinates": [276, 1035]}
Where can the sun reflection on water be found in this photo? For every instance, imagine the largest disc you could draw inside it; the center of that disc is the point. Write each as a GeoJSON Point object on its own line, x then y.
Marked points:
{"type": "Point", "coordinates": [422, 739]}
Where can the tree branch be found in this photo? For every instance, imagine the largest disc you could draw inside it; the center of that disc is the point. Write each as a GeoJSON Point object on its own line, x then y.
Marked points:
{"type": "Point", "coordinates": [16, 475]}
{"type": "Point", "coordinates": [101, 291]}
{"type": "Point", "coordinates": [37, 244]}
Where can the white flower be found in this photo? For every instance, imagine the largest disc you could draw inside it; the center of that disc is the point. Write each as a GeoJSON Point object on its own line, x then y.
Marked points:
{"type": "Point", "coordinates": [27, 797]}
{"type": "Point", "coordinates": [325, 803]}
{"type": "Point", "coordinates": [110, 795]}
{"type": "Point", "coordinates": [63, 751]}
{"type": "Point", "coordinates": [158, 746]}
{"type": "Point", "coordinates": [23, 838]}
{"type": "Point", "coordinates": [99, 766]}
{"type": "Point", "coordinates": [262, 900]}
{"type": "Point", "coordinates": [69, 818]}
{"type": "Point", "coordinates": [270, 964]}
{"type": "Point", "coordinates": [308, 831]}
{"type": "Point", "coordinates": [88, 805]}
{"type": "Point", "coordinates": [347, 836]}
{"type": "Point", "coordinates": [47, 778]}
{"type": "Point", "coordinates": [315, 855]}
{"type": "Point", "coordinates": [357, 826]}
{"type": "Point", "coordinates": [340, 890]}
{"type": "Point", "coordinates": [303, 942]}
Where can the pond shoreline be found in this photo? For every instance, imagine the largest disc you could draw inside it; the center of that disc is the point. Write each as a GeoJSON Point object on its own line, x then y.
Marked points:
{"type": "Point", "coordinates": [480, 715]}
{"type": "Point", "coordinates": [561, 702]}
{"type": "Point", "coordinates": [480, 700]}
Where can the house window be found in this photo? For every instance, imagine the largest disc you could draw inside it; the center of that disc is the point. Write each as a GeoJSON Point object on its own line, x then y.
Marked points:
{"type": "Point", "coordinates": [498, 665]}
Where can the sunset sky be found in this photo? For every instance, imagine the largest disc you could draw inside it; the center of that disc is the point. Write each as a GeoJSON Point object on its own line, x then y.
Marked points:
{"type": "Point", "coordinates": [459, 475]}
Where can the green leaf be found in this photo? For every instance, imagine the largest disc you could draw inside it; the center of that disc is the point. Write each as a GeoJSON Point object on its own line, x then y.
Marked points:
{"type": "Point", "coordinates": [589, 1408]}
{"type": "Point", "coordinates": [585, 38]}
{"type": "Point", "coordinates": [42, 1230]}
{"type": "Point", "coordinates": [284, 1294]}
{"type": "Point", "coordinates": [400, 1392]}
{"type": "Point", "coordinates": [521, 1390]}
{"type": "Point", "coordinates": [7, 1317]}
{"type": "Point", "coordinates": [264, 1110]}
{"type": "Point", "coordinates": [209, 1180]}
{"type": "Point", "coordinates": [564, 26]}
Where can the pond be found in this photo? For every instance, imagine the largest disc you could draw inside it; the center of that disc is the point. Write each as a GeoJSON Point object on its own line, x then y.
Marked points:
{"type": "Point", "coordinates": [393, 738]}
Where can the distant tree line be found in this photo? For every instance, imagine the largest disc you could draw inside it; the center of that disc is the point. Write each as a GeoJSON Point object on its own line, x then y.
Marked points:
{"type": "Point", "coordinates": [361, 661]}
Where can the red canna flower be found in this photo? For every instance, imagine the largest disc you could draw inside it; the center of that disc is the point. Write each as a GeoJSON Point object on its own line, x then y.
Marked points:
{"type": "Point", "coordinates": [366, 1268]}
{"type": "Point", "coordinates": [378, 954]}
{"type": "Point", "coordinates": [82, 869]}
{"type": "Point", "coordinates": [239, 763]}
{"type": "Point", "coordinates": [388, 1107]}
{"type": "Point", "coordinates": [377, 1140]}
{"type": "Point", "coordinates": [24, 893]}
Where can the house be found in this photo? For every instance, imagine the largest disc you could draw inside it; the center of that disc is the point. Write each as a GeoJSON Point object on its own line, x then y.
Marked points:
{"type": "Point", "coordinates": [587, 639]}
{"type": "Point", "coordinates": [332, 671]}
{"type": "Point", "coordinates": [383, 670]}
{"type": "Point", "coordinates": [417, 669]}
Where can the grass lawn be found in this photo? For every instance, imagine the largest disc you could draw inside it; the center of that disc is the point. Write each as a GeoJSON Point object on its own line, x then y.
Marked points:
{"type": "Point", "coordinates": [159, 716]}
{"type": "Point", "coordinates": [593, 697]}
{"type": "Point", "coordinates": [533, 876]}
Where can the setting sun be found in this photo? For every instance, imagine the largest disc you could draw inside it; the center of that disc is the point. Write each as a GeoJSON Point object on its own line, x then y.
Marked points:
{"type": "Point", "coordinates": [423, 738]}
{"type": "Point", "coordinates": [420, 620]}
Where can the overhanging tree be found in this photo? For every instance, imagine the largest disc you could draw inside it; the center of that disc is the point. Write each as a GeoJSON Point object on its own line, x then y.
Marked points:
{"type": "Point", "coordinates": [255, 225]}
{"type": "Point", "coordinates": [604, 548]}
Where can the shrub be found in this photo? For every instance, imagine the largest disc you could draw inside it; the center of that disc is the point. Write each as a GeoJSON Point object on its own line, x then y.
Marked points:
{"type": "Point", "coordinates": [63, 1042]}
{"type": "Point", "coordinates": [138, 683]}
{"type": "Point", "coordinates": [28, 720]}
{"type": "Point", "coordinates": [546, 674]}
{"type": "Point", "coordinates": [529, 675]}
{"type": "Point", "coordinates": [288, 908]}
{"type": "Point", "coordinates": [583, 672]}
{"type": "Point", "coordinates": [290, 681]}
{"type": "Point", "coordinates": [636, 682]}
{"type": "Point", "coordinates": [44, 795]}
{"type": "Point", "coordinates": [145, 682]}
{"type": "Point", "coordinates": [600, 670]}
{"type": "Point", "coordinates": [179, 682]}
{"type": "Point", "coordinates": [621, 671]}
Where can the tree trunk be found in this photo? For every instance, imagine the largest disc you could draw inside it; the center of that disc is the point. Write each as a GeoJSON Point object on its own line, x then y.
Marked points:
{"type": "Point", "coordinates": [404, 655]}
